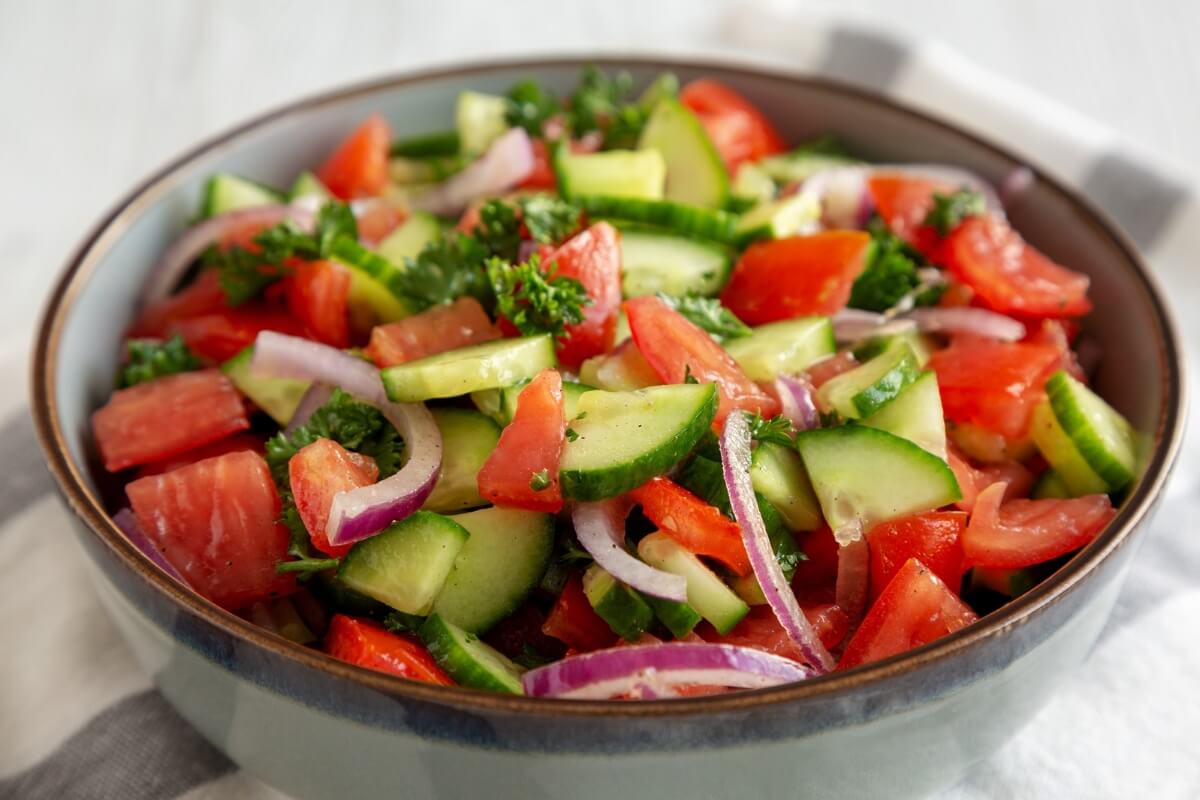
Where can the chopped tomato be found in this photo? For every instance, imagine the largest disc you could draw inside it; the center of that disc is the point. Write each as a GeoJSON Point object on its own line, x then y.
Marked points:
{"type": "Point", "coordinates": [737, 128]}
{"type": "Point", "coordinates": [592, 257]}
{"type": "Point", "coordinates": [1059, 333]}
{"type": "Point", "coordinates": [994, 385]}
{"type": "Point", "coordinates": [829, 368]}
{"type": "Point", "coordinates": [818, 572]}
{"type": "Point", "coordinates": [317, 473]}
{"type": "Point", "coordinates": [166, 417]}
{"type": "Point", "coordinates": [904, 202]}
{"type": "Point", "coordinates": [359, 165]}
{"type": "Point", "coordinates": [230, 444]}
{"type": "Point", "coordinates": [221, 335]}
{"type": "Point", "coordinates": [933, 538]}
{"type": "Point", "coordinates": [521, 632]}
{"type": "Point", "coordinates": [522, 472]}
{"type": "Point", "coordinates": [216, 521]}
{"type": "Point", "coordinates": [698, 526]}
{"type": "Point", "coordinates": [972, 479]}
{"type": "Point", "coordinates": [914, 609]}
{"type": "Point", "coordinates": [574, 622]}
{"type": "Point", "coordinates": [368, 644]}
{"type": "Point", "coordinates": [761, 630]}
{"type": "Point", "coordinates": [318, 293]}
{"type": "Point", "coordinates": [202, 296]}
{"type": "Point", "coordinates": [795, 277]}
{"type": "Point", "coordinates": [435, 330]}
{"type": "Point", "coordinates": [1011, 276]}
{"type": "Point", "coordinates": [377, 219]}
{"type": "Point", "coordinates": [676, 348]}
{"type": "Point", "coordinates": [1021, 533]}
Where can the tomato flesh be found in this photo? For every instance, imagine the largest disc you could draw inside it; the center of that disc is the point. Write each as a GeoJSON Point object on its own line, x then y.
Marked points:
{"type": "Point", "coordinates": [318, 295]}
{"type": "Point", "coordinates": [230, 444]}
{"type": "Point", "coordinates": [216, 521]}
{"type": "Point", "coordinates": [202, 296]}
{"type": "Point", "coordinates": [796, 277]}
{"type": "Point", "coordinates": [933, 538]}
{"type": "Point", "coordinates": [368, 644]}
{"type": "Point", "coordinates": [698, 526]}
{"type": "Point", "coordinates": [522, 472]}
{"type": "Point", "coordinates": [359, 165]}
{"type": "Point", "coordinates": [221, 335]}
{"type": "Point", "coordinates": [317, 473]}
{"type": "Point", "coordinates": [592, 257]}
{"type": "Point", "coordinates": [760, 629]}
{"type": "Point", "coordinates": [573, 621]}
{"type": "Point", "coordinates": [904, 202]}
{"type": "Point", "coordinates": [738, 130]}
{"type": "Point", "coordinates": [433, 331]}
{"type": "Point", "coordinates": [166, 417]}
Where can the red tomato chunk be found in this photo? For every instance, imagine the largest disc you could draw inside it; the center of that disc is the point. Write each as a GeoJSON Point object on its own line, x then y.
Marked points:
{"type": "Point", "coordinates": [367, 644]}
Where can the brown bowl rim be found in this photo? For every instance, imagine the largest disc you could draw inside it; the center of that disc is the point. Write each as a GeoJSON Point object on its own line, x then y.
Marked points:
{"type": "Point", "coordinates": [87, 505]}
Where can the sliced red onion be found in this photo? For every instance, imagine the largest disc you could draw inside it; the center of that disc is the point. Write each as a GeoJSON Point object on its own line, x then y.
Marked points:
{"type": "Point", "coordinates": [853, 576]}
{"type": "Point", "coordinates": [132, 529]}
{"type": "Point", "coordinates": [505, 163]}
{"type": "Point", "coordinates": [316, 396]}
{"type": "Point", "coordinates": [1018, 181]}
{"type": "Point", "coordinates": [796, 397]}
{"type": "Point", "coordinates": [360, 513]}
{"type": "Point", "coordinates": [618, 671]}
{"type": "Point", "coordinates": [965, 319]}
{"type": "Point", "coordinates": [735, 467]}
{"type": "Point", "coordinates": [600, 528]}
{"type": "Point", "coordinates": [842, 192]}
{"type": "Point", "coordinates": [852, 325]}
{"type": "Point", "coordinates": [188, 247]}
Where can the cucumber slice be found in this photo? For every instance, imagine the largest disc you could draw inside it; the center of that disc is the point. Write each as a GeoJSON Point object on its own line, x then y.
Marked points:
{"type": "Point", "coordinates": [612, 173]}
{"type": "Point", "coordinates": [309, 185]}
{"type": "Point", "coordinates": [865, 389]}
{"type": "Point", "coordinates": [370, 303]}
{"type": "Point", "coordinates": [1061, 453]}
{"type": "Point", "coordinates": [417, 173]}
{"type": "Point", "coordinates": [923, 346]}
{"type": "Point", "coordinates": [407, 564]}
{"type": "Point", "coordinates": [468, 438]}
{"type": "Point", "coordinates": [497, 568]}
{"type": "Point", "coordinates": [427, 145]}
{"type": "Point", "coordinates": [777, 474]}
{"type": "Point", "coordinates": [621, 607]}
{"type": "Point", "coordinates": [1098, 434]}
{"type": "Point", "coordinates": [695, 173]}
{"type": "Point", "coordinates": [276, 396]}
{"type": "Point", "coordinates": [778, 219]}
{"type": "Point", "coordinates": [783, 348]}
{"type": "Point", "coordinates": [916, 415]}
{"type": "Point", "coordinates": [706, 592]}
{"type": "Point", "coordinates": [619, 372]}
{"type": "Point", "coordinates": [797, 166]}
{"type": "Point", "coordinates": [679, 618]}
{"type": "Point", "coordinates": [373, 265]}
{"type": "Point", "coordinates": [469, 661]}
{"type": "Point", "coordinates": [753, 185]}
{"type": "Point", "coordinates": [658, 262]}
{"type": "Point", "coordinates": [622, 439]}
{"type": "Point", "coordinates": [410, 237]}
{"type": "Point", "coordinates": [501, 404]}
{"type": "Point", "coordinates": [479, 119]}
{"type": "Point", "coordinates": [469, 369]}
{"type": "Point", "coordinates": [1050, 484]}
{"type": "Point", "coordinates": [684, 220]}
{"type": "Point", "coordinates": [869, 476]}
{"type": "Point", "coordinates": [224, 192]}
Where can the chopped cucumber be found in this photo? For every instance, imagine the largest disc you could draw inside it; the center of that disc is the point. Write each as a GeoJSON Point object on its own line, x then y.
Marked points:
{"type": "Point", "coordinates": [501, 404]}
{"type": "Point", "coordinates": [778, 219]}
{"type": "Point", "coordinates": [622, 439]}
{"type": "Point", "coordinates": [497, 568]}
{"type": "Point", "coordinates": [469, 369]}
{"type": "Point", "coordinates": [922, 344]}
{"type": "Point", "coordinates": [706, 592]}
{"type": "Point", "coordinates": [864, 475]}
{"type": "Point", "coordinates": [1050, 484]}
{"type": "Point", "coordinates": [479, 119]}
{"type": "Point", "coordinates": [361, 259]}
{"type": "Point", "coordinates": [224, 192]}
{"type": "Point", "coordinates": [309, 185]}
{"type": "Point", "coordinates": [619, 371]}
{"type": "Point", "coordinates": [276, 396]}
{"type": "Point", "coordinates": [679, 618]}
{"type": "Point", "coordinates": [712, 225]}
{"type": "Point", "coordinates": [1097, 449]}
{"type": "Point", "coordinates": [468, 438]}
{"type": "Point", "coordinates": [865, 389]}
{"type": "Point", "coordinates": [416, 173]}
{"type": "Point", "coordinates": [621, 607]}
{"type": "Point", "coordinates": [623, 330]}
{"type": "Point", "coordinates": [783, 348]}
{"type": "Point", "coordinates": [916, 415]}
{"type": "Point", "coordinates": [427, 145]}
{"type": "Point", "coordinates": [796, 167]}
{"type": "Point", "coordinates": [410, 237]}
{"type": "Point", "coordinates": [695, 173]}
{"type": "Point", "coordinates": [753, 185]}
{"type": "Point", "coordinates": [778, 475]}
{"type": "Point", "coordinates": [407, 564]}
{"type": "Point", "coordinates": [469, 661]}
{"type": "Point", "coordinates": [653, 262]}
{"type": "Point", "coordinates": [370, 303]}
{"type": "Point", "coordinates": [612, 173]}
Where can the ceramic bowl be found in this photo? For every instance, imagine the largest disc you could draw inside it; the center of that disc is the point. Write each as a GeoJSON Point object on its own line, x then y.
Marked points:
{"type": "Point", "coordinates": [316, 727]}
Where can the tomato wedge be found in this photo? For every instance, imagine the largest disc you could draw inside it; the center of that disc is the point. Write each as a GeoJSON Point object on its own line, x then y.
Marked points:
{"type": "Point", "coordinates": [216, 521]}
{"type": "Point", "coordinates": [1021, 533]}
{"type": "Point", "coordinates": [522, 472]}
{"type": "Point", "coordinates": [972, 479]}
{"type": "Point", "coordinates": [933, 538]}
{"type": "Point", "coordinates": [738, 130]}
{"type": "Point", "coordinates": [914, 609]}
{"type": "Point", "coordinates": [592, 257]}
{"type": "Point", "coordinates": [166, 417]}
{"type": "Point", "coordinates": [317, 473]}
{"type": "Point", "coordinates": [796, 277]}
{"type": "Point", "coordinates": [904, 202]}
{"type": "Point", "coordinates": [318, 293]}
{"type": "Point", "coordinates": [202, 296]}
{"type": "Point", "coordinates": [1011, 276]}
{"type": "Point", "coordinates": [367, 644]}
{"type": "Point", "coordinates": [676, 349]}
{"type": "Point", "coordinates": [698, 526]}
{"type": "Point", "coordinates": [760, 629]}
{"type": "Point", "coordinates": [435, 330]}
{"type": "Point", "coordinates": [221, 335]}
{"type": "Point", "coordinates": [574, 622]}
{"type": "Point", "coordinates": [359, 165]}
{"type": "Point", "coordinates": [230, 444]}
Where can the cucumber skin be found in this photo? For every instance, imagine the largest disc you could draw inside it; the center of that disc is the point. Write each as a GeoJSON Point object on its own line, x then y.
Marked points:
{"type": "Point", "coordinates": [683, 220]}
{"type": "Point", "coordinates": [600, 484]}
{"type": "Point", "coordinates": [679, 618]}
{"type": "Point", "coordinates": [440, 638]}
{"type": "Point", "coordinates": [621, 608]}
{"type": "Point", "coordinates": [671, 117]}
{"type": "Point", "coordinates": [1061, 389]}
{"type": "Point", "coordinates": [880, 392]}
{"type": "Point", "coordinates": [395, 378]}
{"type": "Point", "coordinates": [209, 207]}
{"type": "Point", "coordinates": [465, 435]}
{"type": "Point", "coordinates": [427, 145]}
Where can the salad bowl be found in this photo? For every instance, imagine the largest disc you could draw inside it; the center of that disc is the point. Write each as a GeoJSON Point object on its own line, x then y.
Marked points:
{"type": "Point", "coordinates": [317, 727]}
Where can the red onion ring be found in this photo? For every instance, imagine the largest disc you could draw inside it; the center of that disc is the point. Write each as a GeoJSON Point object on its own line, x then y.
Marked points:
{"type": "Point", "coordinates": [505, 163]}
{"type": "Point", "coordinates": [977, 321]}
{"type": "Point", "coordinates": [129, 525]}
{"type": "Point", "coordinates": [735, 466]}
{"type": "Point", "coordinates": [618, 671]}
{"type": "Point", "coordinates": [796, 397]}
{"type": "Point", "coordinates": [600, 528]}
{"type": "Point", "coordinates": [360, 513]}
{"type": "Point", "coordinates": [852, 325]}
{"type": "Point", "coordinates": [316, 396]}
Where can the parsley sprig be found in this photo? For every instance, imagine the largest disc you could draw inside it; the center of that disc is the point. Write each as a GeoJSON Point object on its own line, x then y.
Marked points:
{"type": "Point", "coordinates": [150, 359]}
{"type": "Point", "coordinates": [949, 210]}
{"type": "Point", "coordinates": [534, 301]}
{"type": "Point", "coordinates": [708, 314]}
{"type": "Point", "coordinates": [776, 430]}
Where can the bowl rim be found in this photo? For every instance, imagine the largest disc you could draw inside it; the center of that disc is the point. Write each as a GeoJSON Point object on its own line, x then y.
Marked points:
{"type": "Point", "coordinates": [88, 507]}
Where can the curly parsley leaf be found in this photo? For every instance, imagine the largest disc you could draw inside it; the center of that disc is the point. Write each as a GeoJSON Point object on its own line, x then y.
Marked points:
{"type": "Point", "coordinates": [949, 210]}
{"type": "Point", "coordinates": [890, 274]}
{"type": "Point", "coordinates": [540, 480]}
{"type": "Point", "coordinates": [776, 430]}
{"type": "Point", "coordinates": [446, 269]}
{"type": "Point", "coordinates": [530, 105]}
{"type": "Point", "coordinates": [242, 274]}
{"type": "Point", "coordinates": [549, 219]}
{"type": "Point", "coordinates": [708, 314]}
{"type": "Point", "coordinates": [598, 99]}
{"type": "Point", "coordinates": [534, 301]}
{"type": "Point", "coordinates": [499, 230]}
{"type": "Point", "coordinates": [149, 360]}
